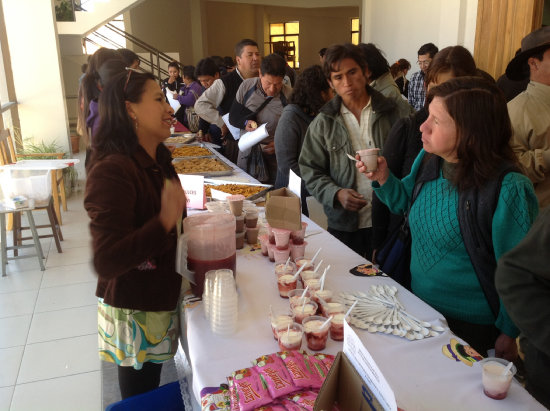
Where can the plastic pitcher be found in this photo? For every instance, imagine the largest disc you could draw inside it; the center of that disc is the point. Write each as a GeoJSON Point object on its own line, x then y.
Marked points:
{"type": "Point", "coordinates": [211, 245]}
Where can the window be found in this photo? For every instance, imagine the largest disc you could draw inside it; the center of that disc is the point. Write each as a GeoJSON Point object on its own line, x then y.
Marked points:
{"type": "Point", "coordinates": [284, 37]}
{"type": "Point", "coordinates": [105, 37]}
{"type": "Point", "coordinates": [355, 29]}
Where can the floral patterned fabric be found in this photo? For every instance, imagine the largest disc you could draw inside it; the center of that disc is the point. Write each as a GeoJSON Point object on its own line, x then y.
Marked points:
{"type": "Point", "coordinates": [131, 337]}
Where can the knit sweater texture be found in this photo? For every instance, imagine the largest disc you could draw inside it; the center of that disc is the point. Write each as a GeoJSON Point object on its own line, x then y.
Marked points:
{"type": "Point", "coordinates": [441, 270]}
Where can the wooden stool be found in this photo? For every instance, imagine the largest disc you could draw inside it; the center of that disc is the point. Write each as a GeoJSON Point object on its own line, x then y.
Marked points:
{"type": "Point", "coordinates": [3, 237]}
{"type": "Point", "coordinates": [54, 225]}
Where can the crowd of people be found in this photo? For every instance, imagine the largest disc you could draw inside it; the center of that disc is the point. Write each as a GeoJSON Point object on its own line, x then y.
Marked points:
{"type": "Point", "coordinates": [468, 169]}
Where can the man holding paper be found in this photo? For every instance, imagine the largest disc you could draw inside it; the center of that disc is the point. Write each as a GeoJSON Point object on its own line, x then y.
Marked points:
{"type": "Point", "coordinates": [260, 101]}
{"type": "Point", "coordinates": [359, 117]}
{"type": "Point", "coordinates": [217, 99]}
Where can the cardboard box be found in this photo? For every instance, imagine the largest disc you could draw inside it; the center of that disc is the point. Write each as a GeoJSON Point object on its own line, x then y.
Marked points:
{"type": "Point", "coordinates": [283, 210]}
{"type": "Point", "coordinates": [345, 386]}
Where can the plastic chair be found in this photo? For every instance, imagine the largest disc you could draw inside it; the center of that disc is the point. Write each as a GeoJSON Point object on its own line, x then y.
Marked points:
{"type": "Point", "coordinates": [165, 398]}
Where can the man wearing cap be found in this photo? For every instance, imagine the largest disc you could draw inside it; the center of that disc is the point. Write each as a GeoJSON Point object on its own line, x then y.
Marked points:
{"type": "Point", "coordinates": [530, 111]}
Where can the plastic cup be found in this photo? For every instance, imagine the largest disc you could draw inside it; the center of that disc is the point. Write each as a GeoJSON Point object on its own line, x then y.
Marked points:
{"type": "Point", "coordinates": [370, 158]}
{"type": "Point", "coordinates": [283, 268]}
{"type": "Point", "coordinates": [495, 384]}
{"type": "Point", "coordinates": [270, 250]}
{"type": "Point", "coordinates": [298, 235]}
{"type": "Point", "coordinates": [281, 255]}
{"type": "Point", "coordinates": [264, 241]}
{"type": "Point", "coordinates": [236, 204]}
{"type": "Point", "coordinates": [239, 224]}
{"type": "Point", "coordinates": [295, 297]}
{"type": "Point", "coordinates": [314, 284]}
{"type": "Point", "coordinates": [304, 261]}
{"type": "Point", "coordinates": [302, 311]}
{"type": "Point", "coordinates": [282, 237]}
{"type": "Point", "coordinates": [316, 336]}
{"type": "Point", "coordinates": [239, 240]}
{"type": "Point", "coordinates": [326, 295]}
{"type": "Point", "coordinates": [290, 338]}
{"type": "Point", "coordinates": [333, 308]}
{"type": "Point", "coordinates": [252, 235]}
{"type": "Point", "coordinates": [270, 233]}
{"type": "Point", "coordinates": [308, 274]}
{"type": "Point", "coordinates": [280, 319]}
{"type": "Point", "coordinates": [297, 250]}
{"type": "Point", "coordinates": [251, 219]}
{"type": "Point", "coordinates": [286, 283]}
{"type": "Point", "coordinates": [337, 327]}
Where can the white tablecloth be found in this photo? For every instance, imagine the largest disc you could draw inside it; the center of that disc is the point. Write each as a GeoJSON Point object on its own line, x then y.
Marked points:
{"type": "Point", "coordinates": [418, 372]}
{"type": "Point", "coordinates": [420, 375]}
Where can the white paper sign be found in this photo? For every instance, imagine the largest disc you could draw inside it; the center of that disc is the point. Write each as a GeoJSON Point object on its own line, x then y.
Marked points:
{"type": "Point", "coordinates": [174, 103]}
{"type": "Point", "coordinates": [218, 195]}
{"type": "Point", "coordinates": [251, 138]}
{"type": "Point", "coordinates": [235, 132]}
{"type": "Point", "coordinates": [194, 190]}
{"type": "Point", "coordinates": [363, 362]}
{"type": "Point", "coordinates": [295, 184]}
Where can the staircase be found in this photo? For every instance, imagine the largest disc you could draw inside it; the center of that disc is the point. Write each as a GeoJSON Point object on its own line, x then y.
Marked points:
{"type": "Point", "coordinates": [94, 14]}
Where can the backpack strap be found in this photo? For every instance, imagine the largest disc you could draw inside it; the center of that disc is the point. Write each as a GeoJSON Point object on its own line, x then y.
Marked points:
{"type": "Point", "coordinates": [476, 208]}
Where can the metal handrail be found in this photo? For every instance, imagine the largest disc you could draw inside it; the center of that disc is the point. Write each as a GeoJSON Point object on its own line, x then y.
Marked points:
{"type": "Point", "coordinates": [153, 51]}
{"type": "Point", "coordinates": [157, 71]}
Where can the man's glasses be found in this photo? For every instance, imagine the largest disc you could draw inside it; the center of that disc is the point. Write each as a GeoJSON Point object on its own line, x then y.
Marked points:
{"type": "Point", "coordinates": [424, 63]}
{"type": "Point", "coordinates": [130, 71]}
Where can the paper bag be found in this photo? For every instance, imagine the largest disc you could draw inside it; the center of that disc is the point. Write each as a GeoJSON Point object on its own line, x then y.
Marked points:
{"type": "Point", "coordinates": [282, 210]}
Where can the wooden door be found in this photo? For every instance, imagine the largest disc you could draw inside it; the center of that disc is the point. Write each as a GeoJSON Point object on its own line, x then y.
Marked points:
{"type": "Point", "coordinates": [501, 24]}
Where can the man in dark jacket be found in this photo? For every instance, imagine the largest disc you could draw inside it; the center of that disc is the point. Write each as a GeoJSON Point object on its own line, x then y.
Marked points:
{"type": "Point", "coordinates": [217, 99]}
{"type": "Point", "coordinates": [523, 281]}
{"type": "Point", "coordinates": [358, 118]}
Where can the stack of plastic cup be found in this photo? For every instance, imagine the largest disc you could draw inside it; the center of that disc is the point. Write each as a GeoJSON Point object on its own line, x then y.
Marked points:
{"type": "Point", "coordinates": [224, 303]}
{"type": "Point", "coordinates": [208, 291]}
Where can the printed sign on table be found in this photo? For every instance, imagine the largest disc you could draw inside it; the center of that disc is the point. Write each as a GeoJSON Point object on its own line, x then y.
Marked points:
{"type": "Point", "coordinates": [363, 362]}
{"type": "Point", "coordinates": [194, 190]}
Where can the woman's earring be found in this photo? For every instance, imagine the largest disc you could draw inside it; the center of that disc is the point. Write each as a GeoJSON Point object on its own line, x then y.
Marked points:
{"type": "Point", "coordinates": [136, 122]}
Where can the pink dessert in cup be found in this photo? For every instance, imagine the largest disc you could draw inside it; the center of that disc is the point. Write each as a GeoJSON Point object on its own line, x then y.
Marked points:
{"type": "Point", "coordinates": [337, 327]}
{"type": "Point", "coordinates": [303, 311]}
{"type": "Point", "coordinates": [290, 338]}
{"type": "Point", "coordinates": [286, 283]}
{"type": "Point", "coordinates": [316, 334]}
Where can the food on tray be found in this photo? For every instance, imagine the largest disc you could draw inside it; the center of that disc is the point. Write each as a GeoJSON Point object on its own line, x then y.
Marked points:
{"type": "Point", "coordinates": [186, 138]}
{"type": "Point", "coordinates": [200, 165]}
{"type": "Point", "coordinates": [191, 151]}
{"type": "Point", "coordinates": [243, 189]}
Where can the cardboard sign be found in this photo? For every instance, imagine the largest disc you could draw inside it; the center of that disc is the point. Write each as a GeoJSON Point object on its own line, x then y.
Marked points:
{"type": "Point", "coordinates": [371, 375]}
{"type": "Point", "coordinates": [282, 209]}
{"type": "Point", "coordinates": [194, 190]}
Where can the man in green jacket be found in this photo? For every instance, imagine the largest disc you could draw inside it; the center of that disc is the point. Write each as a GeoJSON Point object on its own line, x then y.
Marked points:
{"type": "Point", "coordinates": [358, 118]}
{"type": "Point", "coordinates": [523, 281]}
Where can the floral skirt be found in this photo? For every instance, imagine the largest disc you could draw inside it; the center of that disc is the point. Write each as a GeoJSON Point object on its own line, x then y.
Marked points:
{"type": "Point", "coordinates": [131, 337]}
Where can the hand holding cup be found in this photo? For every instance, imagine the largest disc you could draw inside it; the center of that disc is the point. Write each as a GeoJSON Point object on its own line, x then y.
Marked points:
{"type": "Point", "coordinates": [381, 174]}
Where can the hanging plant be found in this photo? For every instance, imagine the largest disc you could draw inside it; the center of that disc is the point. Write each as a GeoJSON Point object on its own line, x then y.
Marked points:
{"type": "Point", "coordinates": [64, 10]}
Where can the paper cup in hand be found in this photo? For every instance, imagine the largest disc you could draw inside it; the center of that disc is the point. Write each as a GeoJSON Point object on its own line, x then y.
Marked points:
{"type": "Point", "coordinates": [370, 158]}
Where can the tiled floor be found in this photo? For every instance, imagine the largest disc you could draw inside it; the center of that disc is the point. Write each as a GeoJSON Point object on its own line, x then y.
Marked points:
{"type": "Point", "coordinates": [48, 325]}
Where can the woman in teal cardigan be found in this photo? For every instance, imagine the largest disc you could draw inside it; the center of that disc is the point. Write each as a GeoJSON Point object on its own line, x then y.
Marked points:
{"type": "Point", "coordinates": [467, 132]}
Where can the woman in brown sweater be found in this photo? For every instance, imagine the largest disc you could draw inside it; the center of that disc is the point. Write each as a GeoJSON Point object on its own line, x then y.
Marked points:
{"type": "Point", "coordinates": [134, 200]}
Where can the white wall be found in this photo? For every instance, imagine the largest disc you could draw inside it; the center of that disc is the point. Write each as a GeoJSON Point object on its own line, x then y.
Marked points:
{"type": "Point", "coordinates": [37, 74]}
{"type": "Point", "coordinates": [400, 27]}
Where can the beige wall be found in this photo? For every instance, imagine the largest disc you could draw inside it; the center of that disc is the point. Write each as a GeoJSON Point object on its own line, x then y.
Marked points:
{"type": "Point", "coordinates": [164, 24]}
{"type": "Point", "coordinates": [319, 27]}
{"type": "Point", "coordinates": [227, 23]}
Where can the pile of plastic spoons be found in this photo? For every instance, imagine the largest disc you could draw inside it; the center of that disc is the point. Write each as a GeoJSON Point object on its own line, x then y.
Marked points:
{"type": "Point", "coordinates": [379, 310]}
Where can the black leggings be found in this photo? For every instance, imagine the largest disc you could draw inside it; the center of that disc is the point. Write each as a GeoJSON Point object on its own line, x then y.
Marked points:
{"type": "Point", "coordinates": [133, 382]}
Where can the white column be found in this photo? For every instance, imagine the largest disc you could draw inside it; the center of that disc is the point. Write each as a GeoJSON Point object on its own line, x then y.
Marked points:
{"type": "Point", "coordinates": [37, 74]}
